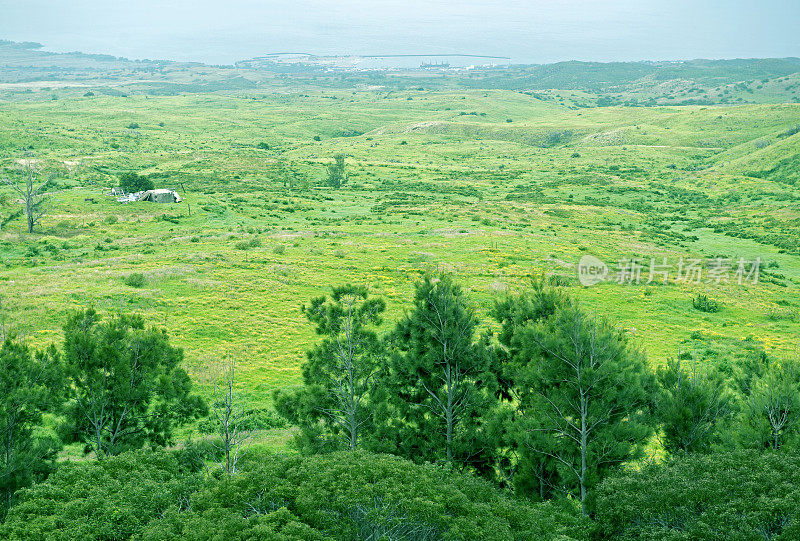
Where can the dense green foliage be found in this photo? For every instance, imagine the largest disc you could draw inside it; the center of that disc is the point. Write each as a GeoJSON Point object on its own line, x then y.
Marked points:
{"type": "Point", "coordinates": [436, 380]}
{"type": "Point", "coordinates": [340, 372]}
{"type": "Point", "coordinates": [769, 416]}
{"type": "Point", "coordinates": [336, 172]}
{"type": "Point", "coordinates": [690, 405]}
{"type": "Point", "coordinates": [31, 383]}
{"type": "Point", "coordinates": [553, 406]}
{"type": "Point", "coordinates": [155, 495]}
{"type": "Point", "coordinates": [580, 394]}
{"type": "Point", "coordinates": [133, 182]}
{"type": "Point", "coordinates": [110, 499]}
{"type": "Point", "coordinates": [705, 304]}
{"type": "Point", "coordinates": [726, 495]}
{"type": "Point", "coordinates": [129, 386]}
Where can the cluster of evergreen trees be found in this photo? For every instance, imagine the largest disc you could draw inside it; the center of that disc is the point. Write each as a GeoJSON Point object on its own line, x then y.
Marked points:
{"type": "Point", "coordinates": [115, 386]}
{"type": "Point", "coordinates": [548, 405]}
{"type": "Point", "coordinates": [543, 403]}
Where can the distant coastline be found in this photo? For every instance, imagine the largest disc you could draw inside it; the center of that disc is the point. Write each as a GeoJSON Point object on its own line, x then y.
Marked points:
{"type": "Point", "coordinates": [449, 55]}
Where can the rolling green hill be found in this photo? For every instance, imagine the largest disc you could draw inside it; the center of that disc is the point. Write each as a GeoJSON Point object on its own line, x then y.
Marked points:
{"type": "Point", "coordinates": [494, 185]}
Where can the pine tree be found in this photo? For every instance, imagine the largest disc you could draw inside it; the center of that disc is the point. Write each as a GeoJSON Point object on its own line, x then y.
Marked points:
{"type": "Point", "coordinates": [32, 383]}
{"type": "Point", "coordinates": [689, 406]}
{"type": "Point", "coordinates": [438, 382]}
{"type": "Point", "coordinates": [129, 386]}
{"type": "Point", "coordinates": [339, 374]}
{"type": "Point", "coordinates": [582, 393]}
{"type": "Point", "coordinates": [517, 466]}
{"type": "Point", "coordinates": [769, 416]}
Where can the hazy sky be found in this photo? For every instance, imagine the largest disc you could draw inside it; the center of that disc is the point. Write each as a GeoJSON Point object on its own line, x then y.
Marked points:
{"type": "Point", "coordinates": [532, 31]}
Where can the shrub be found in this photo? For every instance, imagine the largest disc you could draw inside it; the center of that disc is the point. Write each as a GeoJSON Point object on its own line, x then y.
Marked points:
{"type": "Point", "coordinates": [336, 172]}
{"type": "Point", "coordinates": [705, 304]}
{"type": "Point", "coordinates": [254, 242]}
{"type": "Point", "coordinates": [133, 182]}
{"type": "Point", "coordinates": [111, 499]}
{"type": "Point", "coordinates": [340, 493]}
{"type": "Point", "coordinates": [170, 219]}
{"type": "Point", "coordinates": [558, 280]}
{"type": "Point", "coordinates": [339, 496]}
{"type": "Point", "coordinates": [255, 419]}
{"type": "Point", "coordinates": [778, 314]}
{"type": "Point", "coordinates": [789, 132]}
{"type": "Point", "coordinates": [724, 495]}
{"type": "Point", "coordinates": [135, 279]}
{"type": "Point", "coordinates": [557, 137]}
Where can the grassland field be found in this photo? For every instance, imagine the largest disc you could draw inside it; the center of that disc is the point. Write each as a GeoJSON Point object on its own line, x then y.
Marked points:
{"type": "Point", "coordinates": [494, 186]}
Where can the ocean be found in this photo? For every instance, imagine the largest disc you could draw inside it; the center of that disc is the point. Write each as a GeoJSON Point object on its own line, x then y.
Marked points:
{"type": "Point", "coordinates": [528, 31]}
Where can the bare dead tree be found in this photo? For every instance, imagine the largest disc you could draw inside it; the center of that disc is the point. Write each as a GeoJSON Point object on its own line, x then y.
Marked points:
{"type": "Point", "coordinates": [4, 202]}
{"type": "Point", "coordinates": [31, 188]}
{"type": "Point", "coordinates": [228, 412]}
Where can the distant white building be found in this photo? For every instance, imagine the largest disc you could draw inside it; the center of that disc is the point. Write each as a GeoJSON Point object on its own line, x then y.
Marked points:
{"type": "Point", "coordinates": [160, 196]}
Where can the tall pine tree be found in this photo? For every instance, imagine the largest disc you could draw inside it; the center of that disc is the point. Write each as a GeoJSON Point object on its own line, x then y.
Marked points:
{"type": "Point", "coordinates": [339, 374]}
{"type": "Point", "coordinates": [129, 386]}
{"type": "Point", "coordinates": [582, 394]}
{"type": "Point", "coordinates": [437, 383]}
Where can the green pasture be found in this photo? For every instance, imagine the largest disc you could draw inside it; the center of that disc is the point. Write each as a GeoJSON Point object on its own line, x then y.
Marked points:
{"type": "Point", "coordinates": [495, 186]}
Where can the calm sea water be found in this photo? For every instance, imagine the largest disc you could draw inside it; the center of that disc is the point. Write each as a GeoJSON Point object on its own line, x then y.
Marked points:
{"type": "Point", "coordinates": [529, 31]}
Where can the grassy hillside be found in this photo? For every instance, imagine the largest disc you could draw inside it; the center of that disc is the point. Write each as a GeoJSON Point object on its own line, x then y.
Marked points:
{"type": "Point", "coordinates": [493, 185]}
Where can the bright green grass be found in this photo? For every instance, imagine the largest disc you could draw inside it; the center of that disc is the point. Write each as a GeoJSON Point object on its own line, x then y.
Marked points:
{"type": "Point", "coordinates": [431, 189]}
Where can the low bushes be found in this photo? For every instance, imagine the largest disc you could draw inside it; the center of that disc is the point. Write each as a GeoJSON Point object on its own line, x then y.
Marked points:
{"type": "Point", "coordinates": [704, 303]}
{"type": "Point", "coordinates": [724, 495]}
{"type": "Point", "coordinates": [346, 495]}
{"type": "Point", "coordinates": [135, 279]}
